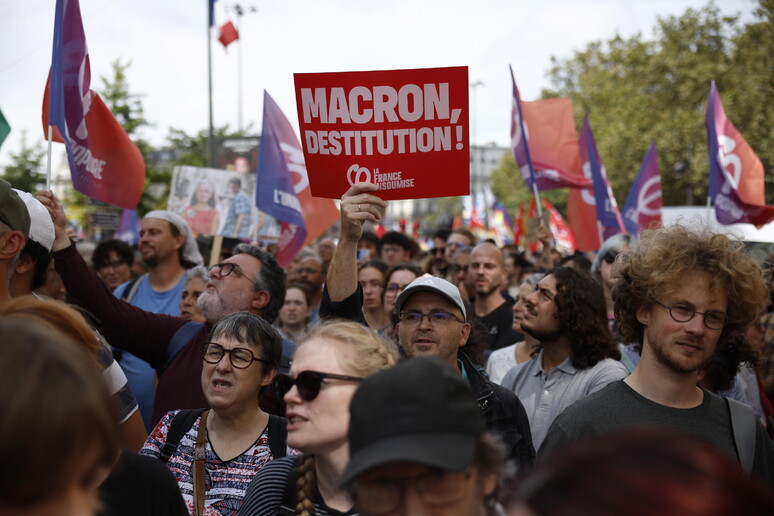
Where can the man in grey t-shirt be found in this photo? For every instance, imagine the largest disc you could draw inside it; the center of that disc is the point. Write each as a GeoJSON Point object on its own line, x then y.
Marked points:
{"type": "Point", "coordinates": [578, 356]}
{"type": "Point", "coordinates": [681, 295]}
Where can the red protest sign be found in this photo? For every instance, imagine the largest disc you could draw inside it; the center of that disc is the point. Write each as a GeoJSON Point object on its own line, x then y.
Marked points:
{"type": "Point", "coordinates": [405, 130]}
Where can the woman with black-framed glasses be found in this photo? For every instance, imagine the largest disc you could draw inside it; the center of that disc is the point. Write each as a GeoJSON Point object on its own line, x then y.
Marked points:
{"type": "Point", "coordinates": [327, 369]}
{"type": "Point", "coordinates": [235, 437]}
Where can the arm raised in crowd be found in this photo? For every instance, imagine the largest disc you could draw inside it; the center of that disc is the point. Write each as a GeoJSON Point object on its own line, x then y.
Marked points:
{"type": "Point", "coordinates": [142, 333]}
{"type": "Point", "coordinates": [357, 206]}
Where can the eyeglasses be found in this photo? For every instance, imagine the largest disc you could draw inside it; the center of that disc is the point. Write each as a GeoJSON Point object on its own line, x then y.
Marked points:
{"type": "Point", "coordinates": [394, 288]}
{"type": "Point", "coordinates": [610, 257]}
{"type": "Point", "coordinates": [439, 250]}
{"type": "Point", "coordinates": [241, 358]}
{"type": "Point", "coordinates": [713, 319]}
{"type": "Point", "coordinates": [435, 488]}
{"type": "Point", "coordinates": [226, 268]}
{"type": "Point", "coordinates": [439, 318]}
{"type": "Point", "coordinates": [308, 383]}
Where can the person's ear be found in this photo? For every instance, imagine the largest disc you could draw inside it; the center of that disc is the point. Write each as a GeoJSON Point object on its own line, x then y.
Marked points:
{"type": "Point", "coordinates": [11, 244]}
{"type": "Point", "coordinates": [465, 333]}
{"type": "Point", "coordinates": [260, 299]}
{"type": "Point", "coordinates": [25, 263]}
{"type": "Point", "coordinates": [643, 315]}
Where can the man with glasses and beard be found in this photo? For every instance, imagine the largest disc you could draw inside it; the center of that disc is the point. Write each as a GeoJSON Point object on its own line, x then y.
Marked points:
{"type": "Point", "coordinates": [680, 294]}
{"type": "Point", "coordinates": [251, 280]}
{"type": "Point", "coordinates": [566, 314]}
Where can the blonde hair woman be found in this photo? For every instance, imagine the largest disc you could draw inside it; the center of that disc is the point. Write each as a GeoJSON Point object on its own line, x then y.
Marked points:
{"type": "Point", "coordinates": [327, 369]}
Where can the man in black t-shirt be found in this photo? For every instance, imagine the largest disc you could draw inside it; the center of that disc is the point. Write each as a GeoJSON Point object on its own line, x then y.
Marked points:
{"type": "Point", "coordinates": [486, 273]}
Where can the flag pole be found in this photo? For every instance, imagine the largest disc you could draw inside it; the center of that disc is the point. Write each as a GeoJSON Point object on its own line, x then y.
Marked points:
{"type": "Point", "coordinates": [48, 159]}
{"type": "Point", "coordinates": [210, 134]}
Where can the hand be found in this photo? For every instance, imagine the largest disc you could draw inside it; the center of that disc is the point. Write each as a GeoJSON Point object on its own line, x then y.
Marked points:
{"type": "Point", "coordinates": [357, 206]}
{"type": "Point", "coordinates": [58, 217]}
{"type": "Point", "coordinates": [544, 235]}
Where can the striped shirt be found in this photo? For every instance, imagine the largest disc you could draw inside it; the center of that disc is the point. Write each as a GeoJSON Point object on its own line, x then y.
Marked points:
{"type": "Point", "coordinates": [226, 481]}
{"type": "Point", "coordinates": [265, 494]}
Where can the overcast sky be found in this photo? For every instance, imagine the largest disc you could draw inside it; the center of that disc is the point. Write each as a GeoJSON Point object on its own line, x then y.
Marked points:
{"type": "Point", "coordinates": [166, 42]}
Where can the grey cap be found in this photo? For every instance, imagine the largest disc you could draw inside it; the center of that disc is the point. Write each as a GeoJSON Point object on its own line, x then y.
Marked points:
{"type": "Point", "coordinates": [428, 283]}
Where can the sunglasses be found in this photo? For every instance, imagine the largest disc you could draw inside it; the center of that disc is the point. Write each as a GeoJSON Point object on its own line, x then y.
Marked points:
{"type": "Point", "coordinates": [610, 256]}
{"type": "Point", "coordinates": [308, 383]}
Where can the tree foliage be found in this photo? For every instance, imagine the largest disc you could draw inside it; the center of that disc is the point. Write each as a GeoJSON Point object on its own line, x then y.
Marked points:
{"type": "Point", "coordinates": [638, 89]}
{"type": "Point", "coordinates": [511, 190]}
{"type": "Point", "coordinates": [27, 169]}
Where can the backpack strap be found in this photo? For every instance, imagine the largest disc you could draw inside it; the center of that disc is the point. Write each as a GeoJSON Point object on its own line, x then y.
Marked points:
{"type": "Point", "coordinates": [182, 336]}
{"type": "Point", "coordinates": [181, 423]}
{"type": "Point", "coordinates": [743, 425]}
{"type": "Point", "coordinates": [290, 496]}
{"type": "Point", "coordinates": [278, 433]}
{"type": "Point", "coordinates": [131, 289]}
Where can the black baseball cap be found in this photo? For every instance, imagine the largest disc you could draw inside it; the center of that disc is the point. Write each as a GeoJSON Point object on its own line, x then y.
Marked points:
{"type": "Point", "coordinates": [421, 411]}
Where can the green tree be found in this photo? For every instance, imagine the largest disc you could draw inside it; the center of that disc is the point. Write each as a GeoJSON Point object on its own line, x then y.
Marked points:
{"type": "Point", "coordinates": [27, 171]}
{"type": "Point", "coordinates": [636, 90]}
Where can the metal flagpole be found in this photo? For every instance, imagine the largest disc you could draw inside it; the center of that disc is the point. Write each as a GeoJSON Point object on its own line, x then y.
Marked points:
{"type": "Point", "coordinates": [211, 133]}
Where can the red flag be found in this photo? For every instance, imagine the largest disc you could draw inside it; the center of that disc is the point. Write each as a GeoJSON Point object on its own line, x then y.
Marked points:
{"type": "Point", "coordinates": [104, 163]}
{"type": "Point", "coordinates": [563, 234]}
{"type": "Point", "coordinates": [736, 173]}
{"type": "Point", "coordinates": [518, 226]}
{"type": "Point", "coordinates": [582, 216]}
{"type": "Point", "coordinates": [228, 34]}
{"type": "Point", "coordinates": [553, 144]}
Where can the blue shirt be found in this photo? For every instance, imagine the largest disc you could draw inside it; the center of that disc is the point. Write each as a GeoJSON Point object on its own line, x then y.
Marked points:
{"type": "Point", "coordinates": [139, 373]}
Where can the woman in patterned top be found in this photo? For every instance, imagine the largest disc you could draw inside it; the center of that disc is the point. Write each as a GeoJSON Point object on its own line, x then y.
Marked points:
{"type": "Point", "coordinates": [327, 368]}
{"type": "Point", "coordinates": [241, 357]}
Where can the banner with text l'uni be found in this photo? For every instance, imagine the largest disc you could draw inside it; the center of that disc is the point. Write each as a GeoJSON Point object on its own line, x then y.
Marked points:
{"type": "Point", "coordinates": [282, 185]}
{"type": "Point", "coordinates": [642, 209]}
{"type": "Point", "coordinates": [404, 130]}
{"type": "Point", "coordinates": [545, 144]}
{"type": "Point", "coordinates": [105, 164]}
{"type": "Point", "coordinates": [736, 184]}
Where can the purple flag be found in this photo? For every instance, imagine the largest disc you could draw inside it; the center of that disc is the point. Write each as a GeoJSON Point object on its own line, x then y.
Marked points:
{"type": "Point", "coordinates": [642, 209]}
{"type": "Point", "coordinates": [128, 229]}
{"type": "Point", "coordinates": [104, 163]}
{"type": "Point", "coordinates": [275, 192]}
{"type": "Point", "coordinates": [519, 138]}
{"type": "Point", "coordinates": [607, 208]}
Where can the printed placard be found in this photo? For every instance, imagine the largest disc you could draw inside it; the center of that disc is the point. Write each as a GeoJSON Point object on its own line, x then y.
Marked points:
{"type": "Point", "coordinates": [404, 130]}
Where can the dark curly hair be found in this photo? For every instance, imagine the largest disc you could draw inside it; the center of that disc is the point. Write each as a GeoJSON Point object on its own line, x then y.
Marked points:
{"type": "Point", "coordinates": [720, 370]}
{"type": "Point", "coordinates": [270, 277]}
{"type": "Point", "coordinates": [664, 257]}
{"type": "Point", "coordinates": [582, 316]}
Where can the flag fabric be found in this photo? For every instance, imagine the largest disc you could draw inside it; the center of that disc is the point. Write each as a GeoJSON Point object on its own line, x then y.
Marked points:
{"type": "Point", "coordinates": [5, 128]}
{"type": "Point", "coordinates": [282, 185]}
{"type": "Point", "coordinates": [471, 216]}
{"type": "Point", "coordinates": [501, 224]}
{"type": "Point", "coordinates": [545, 143]}
{"type": "Point", "coordinates": [212, 12]}
{"type": "Point", "coordinates": [128, 229]}
{"type": "Point", "coordinates": [606, 207]}
{"type": "Point", "coordinates": [519, 226]}
{"type": "Point", "coordinates": [563, 234]}
{"type": "Point", "coordinates": [736, 184]}
{"type": "Point", "coordinates": [104, 163]}
{"type": "Point", "coordinates": [582, 217]}
{"type": "Point", "coordinates": [228, 34]}
{"type": "Point", "coordinates": [642, 209]}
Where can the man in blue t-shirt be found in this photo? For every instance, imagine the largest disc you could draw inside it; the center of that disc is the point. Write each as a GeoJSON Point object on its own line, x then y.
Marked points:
{"type": "Point", "coordinates": [168, 249]}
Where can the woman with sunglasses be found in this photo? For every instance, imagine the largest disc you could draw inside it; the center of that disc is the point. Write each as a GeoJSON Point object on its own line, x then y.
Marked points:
{"type": "Point", "coordinates": [327, 369]}
{"type": "Point", "coordinates": [235, 436]}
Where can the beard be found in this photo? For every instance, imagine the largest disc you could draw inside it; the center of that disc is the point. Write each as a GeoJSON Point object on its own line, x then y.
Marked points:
{"type": "Point", "coordinates": [215, 306]}
{"type": "Point", "coordinates": [675, 361]}
{"type": "Point", "coordinates": [542, 335]}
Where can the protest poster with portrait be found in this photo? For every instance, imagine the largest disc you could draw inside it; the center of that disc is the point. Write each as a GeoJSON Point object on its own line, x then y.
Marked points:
{"type": "Point", "coordinates": [404, 130]}
{"type": "Point", "coordinates": [219, 202]}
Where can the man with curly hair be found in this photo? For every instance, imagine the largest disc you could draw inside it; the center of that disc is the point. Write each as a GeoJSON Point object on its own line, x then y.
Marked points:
{"type": "Point", "coordinates": [681, 295]}
{"type": "Point", "coordinates": [566, 313]}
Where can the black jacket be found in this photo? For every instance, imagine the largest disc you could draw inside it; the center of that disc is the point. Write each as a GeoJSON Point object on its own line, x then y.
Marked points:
{"type": "Point", "coordinates": [504, 414]}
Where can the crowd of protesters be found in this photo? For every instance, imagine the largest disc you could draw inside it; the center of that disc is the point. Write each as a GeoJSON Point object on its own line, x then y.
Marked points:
{"type": "Point", "coordinates": [381, 374]}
